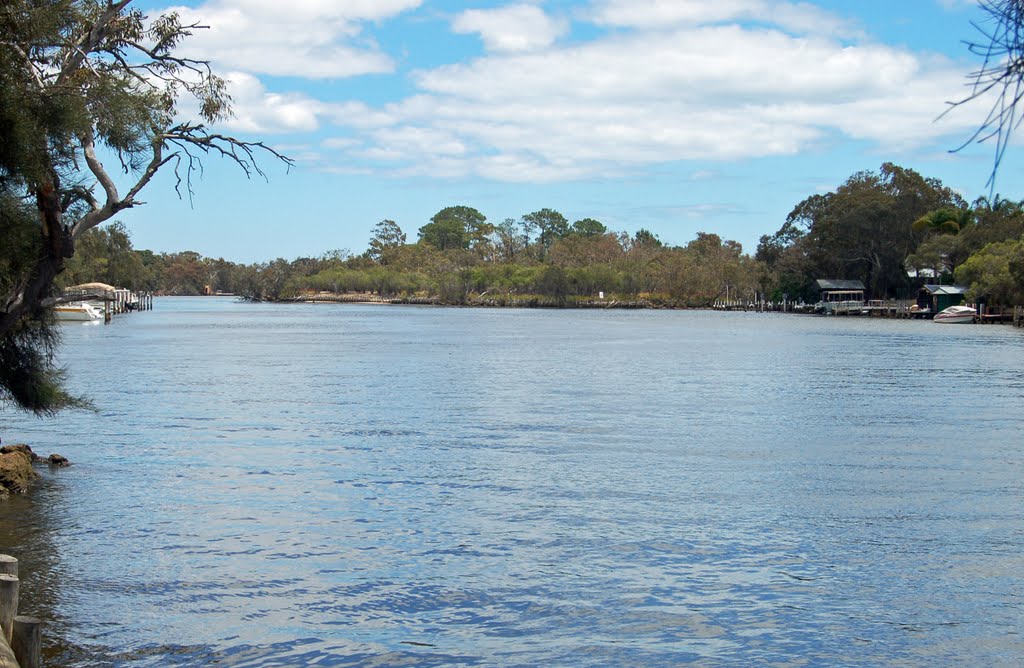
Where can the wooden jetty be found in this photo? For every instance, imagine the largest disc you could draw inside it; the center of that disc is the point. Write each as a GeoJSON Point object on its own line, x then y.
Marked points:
{"type": "Point", "coordinates": [115, 300]}
{"type": "Point", "coordinates": [20, 636]}
{"type": "Point", "coordinates": [875, 308]}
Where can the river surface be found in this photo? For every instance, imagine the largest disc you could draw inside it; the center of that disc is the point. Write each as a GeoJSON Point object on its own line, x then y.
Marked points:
{"type": "Point", "coordinates": [361, 485]}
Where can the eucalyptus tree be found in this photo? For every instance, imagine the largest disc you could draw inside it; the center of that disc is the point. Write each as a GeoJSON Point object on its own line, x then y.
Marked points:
{"type": "Point", "coordinates": [644, 237]}
{"type": "Point", "coordinates": [105, 254]}
{"type": "Point", "coordinates": [588, 227]}
{"type": "Point", "coordinates": [455, 227]}
{"type": "Point", "coordinates": [550, 226]}
{"type": "Point", "coordinates": [387, 236]}
{"type": "Point", "coordinates": [81, 79]}
{"type": "Point", "coordinates": [510, 243]}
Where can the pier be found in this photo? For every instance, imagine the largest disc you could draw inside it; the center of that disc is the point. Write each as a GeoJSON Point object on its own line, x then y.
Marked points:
{"type": "Point", "coordinates": [116, 301]}
{"type": "Point", "coordinates": [876, 308]}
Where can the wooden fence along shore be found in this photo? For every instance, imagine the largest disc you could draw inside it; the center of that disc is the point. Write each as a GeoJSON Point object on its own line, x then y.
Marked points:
{"type": "Point", "coordinates": [20, 636]}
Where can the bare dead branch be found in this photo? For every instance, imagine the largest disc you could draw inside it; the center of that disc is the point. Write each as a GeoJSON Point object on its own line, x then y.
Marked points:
{"type": "Point", "coordinates": [190, 137]}
{"type": "Point", "coordinates": [1001, 49]}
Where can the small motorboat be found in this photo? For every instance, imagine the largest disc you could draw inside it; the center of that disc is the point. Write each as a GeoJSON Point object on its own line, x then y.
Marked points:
{"type": "Point", "coordinates": [956, 315]}
{"type": "Point", "coordinates": [77, 312]}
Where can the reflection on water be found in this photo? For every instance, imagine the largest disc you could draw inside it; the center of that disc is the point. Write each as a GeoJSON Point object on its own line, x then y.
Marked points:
{"type": "Point", "coordinates": [373, 486]}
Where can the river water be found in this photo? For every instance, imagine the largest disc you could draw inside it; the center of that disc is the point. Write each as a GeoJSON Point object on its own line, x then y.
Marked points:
{"type": "Point", "coordinates": [360, 485]}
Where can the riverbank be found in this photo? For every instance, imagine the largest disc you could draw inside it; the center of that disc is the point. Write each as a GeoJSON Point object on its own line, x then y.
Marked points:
{"type": "Point", "coordinates": [495, 301]}
{"type": "Point", "coordinates": [17, 468]}
{"type": "Point", "coordinates": [885, 309]}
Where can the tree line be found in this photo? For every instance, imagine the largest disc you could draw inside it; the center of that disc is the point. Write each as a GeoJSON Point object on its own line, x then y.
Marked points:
{"type": "Point", "coordinates": [893, 229]}
{"type": "Point", "coordinates": [457, 259]}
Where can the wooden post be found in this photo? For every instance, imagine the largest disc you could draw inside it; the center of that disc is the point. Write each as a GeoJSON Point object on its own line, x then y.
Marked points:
{"type": "Point", "coordinates": [7, 658]}
{"type": "Point", "coordinates": [26, 641]}
{"type": "Point", "coordinates": [8, 603]}
{"type": "Point", "coordinates": [8, 565]}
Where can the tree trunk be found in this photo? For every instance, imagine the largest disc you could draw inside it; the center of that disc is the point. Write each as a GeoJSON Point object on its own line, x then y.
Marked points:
{"type": "Point", "coordinates": [58, 245]}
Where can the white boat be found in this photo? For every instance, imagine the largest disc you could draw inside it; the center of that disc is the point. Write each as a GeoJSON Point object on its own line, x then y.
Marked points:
{"type": "Point", "coordinates": [77, 312]}
{"type": "Point", "coordinates": [956, 315]}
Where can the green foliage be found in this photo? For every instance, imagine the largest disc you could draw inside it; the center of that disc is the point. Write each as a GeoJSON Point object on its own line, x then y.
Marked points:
{"type": "Point", "coordinates": [864, 230]}
{"type": "Point", "coordinates": [588, 227]}
{"type": "Point", "coordinates": [510, 242]}
{"type": "Point", "coordinates": [455, 227]}
{"type": "Point", "coordinates": [387, 236]}
{"type": "Point", "coordinates": [989, 275]}
{"type": "Point", "coordinates": [946, 220]}
{"type": "Point", "coordinates": [579, 251]}
{"type": "Point", "coordinates": [550, 226]}
{"type": "Point", "coordinates": [644, 237]}
{"type": "Point", "coordinates": [940, 254]}
{"type": "Point", "coordinates": [29, 378]}
{"type": "Point", "coordinates": [105, 254]}
{"type": "Point", "coordinates": [20, 233]}
{"type": "Point", "coordinates": [76, 75]}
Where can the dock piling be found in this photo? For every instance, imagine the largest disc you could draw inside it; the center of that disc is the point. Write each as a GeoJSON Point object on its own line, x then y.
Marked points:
{"type": "Point", "coordinates": [27, 641]}
{"type": "Point", "coordinates": [21, 639]}
{"type": "Point", "coordinates": [8, 603]}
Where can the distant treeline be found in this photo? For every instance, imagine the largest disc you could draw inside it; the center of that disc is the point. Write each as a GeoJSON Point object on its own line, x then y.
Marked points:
{"type": "Point", "coordinates": [876, 227]}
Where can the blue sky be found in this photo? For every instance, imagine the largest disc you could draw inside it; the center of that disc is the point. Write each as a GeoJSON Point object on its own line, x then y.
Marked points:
{"type": "Point", "coordinates": [677, 116]}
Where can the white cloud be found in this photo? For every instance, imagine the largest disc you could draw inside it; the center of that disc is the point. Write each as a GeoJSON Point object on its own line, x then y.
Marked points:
{"type": "Point", "coordinates": [259, 111]}
{"type": "Point", "coordinates": [672, 81]}
{"type": "Point", "coordinates": [800, 17]}
{"type": "Point", "coordinates": [511, 28]}
{"type": "Point", "coordinates": [661, 96]}
{"type": "Point", "coordinates": [304, 38]}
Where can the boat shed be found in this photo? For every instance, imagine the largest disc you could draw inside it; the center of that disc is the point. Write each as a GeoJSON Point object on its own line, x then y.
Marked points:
{"type": "Point", "coordinates": [935, 298]}
{"type": "Point", "coordinates": [840, 296]}
{"type": "Point", "coordinates": [833, 290]}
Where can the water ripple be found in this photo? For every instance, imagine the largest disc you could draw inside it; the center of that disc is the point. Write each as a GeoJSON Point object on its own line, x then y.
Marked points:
{"type": "Point", "coordinates": [437, 487]}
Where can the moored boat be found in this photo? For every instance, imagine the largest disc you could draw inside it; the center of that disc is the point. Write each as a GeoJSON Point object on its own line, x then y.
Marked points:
{"type": "Point", "coordinates": [77, 312]}
{"type": "Point", "coordinates": [956, 315]}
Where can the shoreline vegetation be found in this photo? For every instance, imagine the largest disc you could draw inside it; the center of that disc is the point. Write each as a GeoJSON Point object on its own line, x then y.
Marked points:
{"type": "Point", "coordinates": [533, 301]}
{"type": "Point", "coordinates": [487, 301]}
{"type": "Point", "coordinates": [894, 230]}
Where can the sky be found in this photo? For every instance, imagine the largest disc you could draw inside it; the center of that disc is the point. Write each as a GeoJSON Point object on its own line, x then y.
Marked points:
{"type": "Point", "coordinates": [678, 116]}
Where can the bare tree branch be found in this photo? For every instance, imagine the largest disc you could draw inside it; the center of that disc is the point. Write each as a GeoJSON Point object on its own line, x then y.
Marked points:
{"type": "Point", "coordinates": [1001, 74]}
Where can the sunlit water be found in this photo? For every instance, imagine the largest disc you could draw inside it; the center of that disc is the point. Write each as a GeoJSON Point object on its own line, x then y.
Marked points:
{"type": "Point", "coordinates": [362, 485]}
